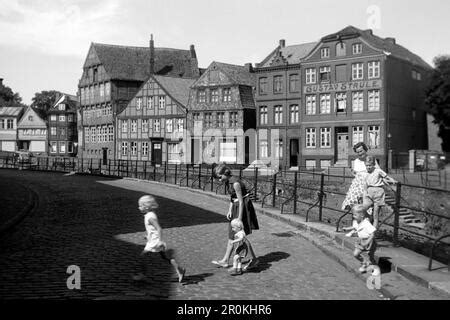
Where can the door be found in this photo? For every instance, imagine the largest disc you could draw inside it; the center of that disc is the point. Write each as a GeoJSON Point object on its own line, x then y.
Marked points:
{"type": "Point", "coordinates": [293, 153]}
{"type": "Point", "coordinates": [105, 156]}
{"type": "Point", "coordinates": [247, 150]}
{"type": "Point", "coordinates": [156, 153]}
{"type": "Point", "coordinates": [342, 146]}
{"type": "Point", "coordinates": [195, 150]}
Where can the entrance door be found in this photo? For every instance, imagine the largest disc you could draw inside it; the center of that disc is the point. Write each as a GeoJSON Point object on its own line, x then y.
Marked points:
{"type": "Point", "coordinates": [105, 156]}
{"type": "Point", "coordinates": [195, 150]}
{"type": "Point", "coordinates": [157, 153]}
{"type": "Point", "coordinates": [293, 153]}
{"type": "Point", "coordinates": [342, 146]}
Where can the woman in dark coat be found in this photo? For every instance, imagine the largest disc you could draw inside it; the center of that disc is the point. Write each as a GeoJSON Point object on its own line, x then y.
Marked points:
{"type": "Point", "coordinates": [241, 207]}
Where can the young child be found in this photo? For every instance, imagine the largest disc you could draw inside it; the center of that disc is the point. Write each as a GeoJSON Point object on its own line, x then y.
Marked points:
{"type": "Point", "coordinates": [147, 205]}
{"type": "Point", "coordinates": [365, 246]}
{"type": "Point", "coordinates": [240, 245]}
{"type": "Point", "coordinates": [374, 193]}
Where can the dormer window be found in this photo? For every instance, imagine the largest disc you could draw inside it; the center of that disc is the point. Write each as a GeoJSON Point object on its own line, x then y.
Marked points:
{"type": "Point", "coordinates": [340, 49]}
{"type": "Point", "coordinates": [62, 107]}
{"type": "Point", "coordinates": [357, 48]}
{"type": "Point", "coordinates": [325, 53]}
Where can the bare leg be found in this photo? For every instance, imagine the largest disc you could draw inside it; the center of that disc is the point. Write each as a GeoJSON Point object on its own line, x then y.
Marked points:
{"type": "Point", "coordinates": [376, 210]}
{"type": "Point", "coordinates": [226, 257]}
{"type": "Point", "coordinates": [250, 249]}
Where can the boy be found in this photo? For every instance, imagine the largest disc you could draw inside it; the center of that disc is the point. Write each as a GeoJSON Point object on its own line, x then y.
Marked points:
{"type": "Point", "coordinates": [240, 244]}
{"type": "Point", "coordinates": [365, 246]}
{"type": "Point", "coordinates": [374, 193]}
{"type": "Point", "coordinates": [154, 235]}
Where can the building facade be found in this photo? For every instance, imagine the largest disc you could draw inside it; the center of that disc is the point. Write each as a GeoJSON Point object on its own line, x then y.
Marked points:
{"type": "Point", "coordinates": [32, 131]}
{"type": "Point", "coordinates": [153, 125]}
{"type": "Point", "coordinates": [62, 123]}
{"type": "Point", "coordinates": [221, 117]}
{"type": "Point", "coordinates": [9, 118]}
{"type": "Point", "coordinates": [112, 75]}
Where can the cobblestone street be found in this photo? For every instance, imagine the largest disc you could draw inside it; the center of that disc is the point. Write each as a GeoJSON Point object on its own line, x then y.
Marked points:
{"type": "Point", "coordinates": [94, 223]}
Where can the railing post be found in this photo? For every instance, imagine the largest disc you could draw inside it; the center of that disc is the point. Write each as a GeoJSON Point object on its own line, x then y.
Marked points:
{"type": "Point", "coordinates": [322, 177]}
{"type": "Point", "coordinates": [212, 179]}
{"type": "Point", "coordinates": [274, 189]}
{"type": "Point", "coordinates": [256, 184]}
{"type": "Point", "coordinates": [397, 212]}
{"type": "Point", "coordinates": [295, 192]}
{"type": "Point", "coordinates": [187, 175]}
{"type": "Point", "coordinates": [109, 167]}
{"type": "Point", "coordinates": [82, 164]}
{"type": "Point", "coordinates": [127, 168]}
{"type": "Point", "coordinates": [154, 171]}
{"type": "Point", "coordinates": [165, 171]}
{"type": "Point", "coordinates": [136, 169]}
{"type": "Point", "coordinates": [90, 165]}
{"type": "Point", "coordinates": [240, 173]}
{"type": "Point", "coordinates": [343, 173]}
{"type": "Point", "coordinates": [145, 170]}
{"type": "Point", "coordinates": [176, 169]}
{"type": "Point", "coordinates": [200, 176]}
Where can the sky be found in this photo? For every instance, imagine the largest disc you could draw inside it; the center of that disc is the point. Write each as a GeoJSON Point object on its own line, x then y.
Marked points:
{"type": "Point", "coordinates": [43, 44]}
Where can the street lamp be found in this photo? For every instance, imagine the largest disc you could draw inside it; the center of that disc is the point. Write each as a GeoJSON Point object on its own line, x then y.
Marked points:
{"type": "Point", "coordinates": [388, 152]}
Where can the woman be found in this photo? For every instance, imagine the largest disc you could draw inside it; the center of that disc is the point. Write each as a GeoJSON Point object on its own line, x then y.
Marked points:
{"type": "Point", "coordinates": [241, 207]}
{"type": "Point", "coordinates": [356, 190]}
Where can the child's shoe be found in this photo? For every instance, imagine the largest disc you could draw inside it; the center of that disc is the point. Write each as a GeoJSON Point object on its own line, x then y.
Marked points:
{"type": "Point", "coordinates": [181, 275]}
{"type": "Point", "coordinates": [251, 264]}
{"type": "Point", "coordinates": [139, 277]}
{"type": "Point", "coordinates": [235, 272]}
{"type": "Point", "coordinates": [362, 269]}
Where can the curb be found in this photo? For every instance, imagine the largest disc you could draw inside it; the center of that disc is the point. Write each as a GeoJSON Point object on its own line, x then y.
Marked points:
{"type": "Point", "coordinates": [332, 236]}
{"type": "Point", "coordinates": [32, 204]}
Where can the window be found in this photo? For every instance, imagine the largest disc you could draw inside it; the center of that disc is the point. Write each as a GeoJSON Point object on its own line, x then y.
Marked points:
{"type": "Point", "coordinates": [221, 119]}
{"type": "Point", "coordinates": [62, 107]}
{"type": "Point", "coordinates": [227, 151]}
{"type": "Point", "coordinates": [70, 147]}
{"type": "Point", "coordinates": [10, 124]}
{"type": "Point", "coordinates": [157, 125]}
{"type": "Point", "coordinates": [208, 119]}
{"type": "Point", "coordinates": [144, 125]}
{"type": "Point", "coordinates": [325, 163]}
{"type": "Point", "coordinates": [62, 118]}
{"type": "Point", "coordinates": [233, 119]}
{"type": "Point", "coordinates": [102, 91]}
{"type": "Point", "coordinates": [53, 117]}
{"type": "Point", "coordinates": [324, 74]}
{"type": "Point", "coordinates": [150, 102]}
{"type": "Point", "coordinates": [293, 113]}
{"type": "Point", "coordinates": [325, 103]}
{"type": "Point", "coordinates": [341, 102]}
{"type": "Point", "coordinates": [62, 131]}
{"type": "Point", "coordinates": [310, 163]}
{"type": "Point", "coordinates": [86, 134]}
{"type": "Point", "coordinates": [124, 125]}
{"type": "Point", "coordinates": [124, 148]}
{"type": "Point", "coordinates": [99, 134]}
{"type": "Point", "coordinates": [133, 148]}
{"type": "Point", "coordinates": [110, 133]}
{"type": "Point", "coordinates": [180, 125]}
{"type": "Point", "coordinates": [357, 71]}
{"type": "Point", "coordinates": [197, 120]}
{"type": "Point", "coordinates": [226, 92]}
{"type": "Point", "coordinates": [311, 104]}
{"type": "Point", "coordinates": [169, 125]}
{"type": "Point", "coordinates": [173, 153]}
{"type": "Point", "coordinates": [53, 131]}
{"type": "Point", "coordinates": [374, 136]}
{"type": "Point", "coordinates": [373, 100]}
{"type": "Point", "coordinates": [325, 137]}
{"type": "Point", "coordinates": [62, 147]}
{"type": "Point", "coordinates": [340, 49]}
{"type": "Point", "coordinates": [54, 147]}
{"type": "Point", "coordinates": [357, 101]}
{"type": "Point", "coordinates": [278, 148]}
{"type": "Point", "coordinates": [263, 115]}
{"type": "Point", "coordinates": [310, 137]}
{"type": "Point", "coordinates": [162, 102]}
{"type": "Point", "coordinates": [133, 125]}
{"type": "Point", "coordinates": [93, 135]}
{"type": "Point", "coordinates": [373, 69]}
{"type": "Point", "coordinates": [201, 96]}
{"type": "Point", "coordinates": [277, 84]}
{"type": "Point", "coordinates": [325, 52]}
{"type": "Point", "coordinates": [263, 149]}
{"type": "Point", "coordinates": [262, 85]}
{"type": "Point", "coordinates": [107, 90]}
{"type": "Point", "coordinates": [145, 148]}
{"type": "Point", "coordinates": [214, 95]}
{"type": "Point", "coordinates": [138, 103]}
{"type": "Point", "coordinates": [70, 118]}
{"type": "Point", "coordinates": [278, 115]}
{"type": "Point", "coordinates": [294, 83]}
{"type": "Point", "coordinates": [30, 118]}
{"type": "Point", "coordinates": [357, 48]}
{"type": "Point", "coordinates": [310, 75]}
{"type": "Point", "coordinates": [358, 135]}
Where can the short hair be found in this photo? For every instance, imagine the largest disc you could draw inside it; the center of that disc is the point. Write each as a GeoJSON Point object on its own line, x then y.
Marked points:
{"type": "Point", "coordinates": [371, 159]}
{"type": "Point", "coordinates": [149, 201]}
{"type": "Point", "coordinates": [360, 144]}
{"type": "Point", "coordinates": [359, 208]}
{"type": "Point", "coordinates": [222, 170]}
{"type": "Point", "coordinates": [237, 223]}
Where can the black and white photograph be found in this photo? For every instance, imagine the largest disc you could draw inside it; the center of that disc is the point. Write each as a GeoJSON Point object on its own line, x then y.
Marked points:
{"type": "Point", "coordinates": [224, 156]}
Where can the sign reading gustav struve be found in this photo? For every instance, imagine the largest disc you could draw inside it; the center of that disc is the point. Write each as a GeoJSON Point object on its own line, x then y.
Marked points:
{"type": "Point", "coordinates": [343, 86]}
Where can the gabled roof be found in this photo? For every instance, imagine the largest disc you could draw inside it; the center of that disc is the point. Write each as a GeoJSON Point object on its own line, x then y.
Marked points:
{"type": "Point", "coordinates": [239, 74]}
{"type": "Point", "coordinates": [385, 44]}
{"type": "Point", "coordinates": [290, 54]}
{"type": "Point", "coordinates": [68, 99]}
{"type": "Point", "coordinates": [177, 88]}
{"type": "Point", "coordinates": [11, 111]}
{"type": "Point", "coordinates": [41, 113]}
{"type": "Point", "coordinates": [133, 63]}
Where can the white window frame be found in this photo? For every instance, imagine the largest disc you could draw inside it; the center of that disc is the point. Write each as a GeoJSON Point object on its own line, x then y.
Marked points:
{"type": "Point", "coordinates": [373, 69]}
{"type": "Point", "coordinates": [157, 125]}
{"type": "Point", "coordinates": [357, 48]}
{"type": "Point", "coordinates": [326, 70]}
{"type": "Point", "coordinates": [134, 125]}
{"type": "Point", "coordinates": [150, 102]}
{"type": "Point", "coordinates": [278, 114]}
{"type": "Point", "coordinates": [138, 103]}
{"type": "Point", "coordinates": [311, 75]}
{"type": "Point", "coordinates": [373, 100]}
{"type": "Point", "coordinates": [357, 134]}
{"type": "Point", "coordinates": [278, 148]}
{"type": "Point", "coordinates": [263, 148]}
{"type": "Point", "coordinates": [145, 148]}
{"type": "Point", "coordinates": [325, 137]}
{"type": "Point", "coordinates": [358, 71]}
{"type": "Point", "coordinates": [53, 147]}
{"type": "Point", "coordinates": [373, 136]}
{"type": "Point", "coordinates": [169, 125]}
{"type": "Point", "coordinates": [325, 103]}
{"type": "Point", "coordinates": [62, 147]}
{"type": "Point", "coordinates": [325, 52]}
{"type": "Point", "coordinates": [124, 148]}
{"type": "Point", "coordinates": [144, 127]}
{"type": "Point", "coordinates": [311, 105]}
{"type": "Point", "coordinates": [125, 126]}
{"type": "Point", "coordinates": [263, 117]}
{"type": "Point", "coordinates": [357, 101]}
{"type": "Point", "coordinates": [310, 138]}
{"type": "Point", "coordinates": [133, 148]}
{"type": "Point", "coordinates": [62, 118]}
{"type": "Point", "coordinates": [293, 113]}
{"type": "Point", "coordinates": [162, 102]}
{"type": "Point", "coordinates": [341, 102]}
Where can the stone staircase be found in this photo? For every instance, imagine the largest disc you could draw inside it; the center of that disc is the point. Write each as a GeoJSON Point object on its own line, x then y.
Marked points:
{"type": "Point", "coordinates": [407, 217]}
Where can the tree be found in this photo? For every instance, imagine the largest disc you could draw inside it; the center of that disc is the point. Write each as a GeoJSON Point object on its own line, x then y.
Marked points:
{"type": "Point", "coordinates": [8, 98]}
{"type": "Point", "coordinates": [44, 100]}
{"type": "Point", "coordinates": [438, 98]}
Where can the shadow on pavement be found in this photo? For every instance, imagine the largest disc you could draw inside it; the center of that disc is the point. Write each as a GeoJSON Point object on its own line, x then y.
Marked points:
{"type": "Point", "coordinates": [266, 261]}
{"type": "Point", "coordinates": [195, 278]}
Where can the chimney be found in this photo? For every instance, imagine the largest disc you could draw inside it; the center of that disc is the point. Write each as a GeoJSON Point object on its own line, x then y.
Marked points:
{"type": "Point", "coordinates": [249, 67]}
{"type": "Point", "coordinates": [192, 50]}
{"type": "Point", "coordinates": [390, 40]}
{"type": "Point", "coordinates": [282, 43]}
{"type": "Point", "coordinates": [152, 55]}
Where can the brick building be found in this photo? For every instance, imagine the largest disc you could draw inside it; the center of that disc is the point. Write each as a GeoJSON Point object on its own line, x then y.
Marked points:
{"type": "Point", "coordinates": [112, 75]}
{"type": "Point", "coordinates": [221, 117]}
{"type": "Point", "coordinates": [153, 125]}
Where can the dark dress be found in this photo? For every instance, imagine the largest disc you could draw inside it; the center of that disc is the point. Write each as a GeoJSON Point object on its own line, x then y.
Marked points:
{"type": "Point", "coordinates": [249, 219]}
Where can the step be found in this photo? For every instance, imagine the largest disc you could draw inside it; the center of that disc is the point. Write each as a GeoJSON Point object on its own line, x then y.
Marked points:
{"type": "Point", "coordinates": [409, 216]}
{"type": "Point", "coordinates": [418, 225]}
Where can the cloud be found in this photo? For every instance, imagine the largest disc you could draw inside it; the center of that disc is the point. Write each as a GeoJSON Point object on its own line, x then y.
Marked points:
{"type": "Point", "coordinates": [55, 27]}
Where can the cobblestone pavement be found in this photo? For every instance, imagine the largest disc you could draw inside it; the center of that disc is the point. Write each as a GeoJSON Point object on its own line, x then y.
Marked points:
{"type": "Point", "coordinates": [94, 223]}
{"type": "Point", "coordinates": [14, 198]}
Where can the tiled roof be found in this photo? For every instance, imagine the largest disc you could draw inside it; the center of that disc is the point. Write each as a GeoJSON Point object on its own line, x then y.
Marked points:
{"type": "Point", "coordinates": [291, 54]}
{"type": "Point", "coordinates": [133, 63]}
{"type": "Point", "coordinates": [41, 113]}
{"type": "Point", "coordinates": [178, 88]}
{"type": "Point", "coordinates": [10, 111]}
{"type": "Point", "coordinates": [239, 74]}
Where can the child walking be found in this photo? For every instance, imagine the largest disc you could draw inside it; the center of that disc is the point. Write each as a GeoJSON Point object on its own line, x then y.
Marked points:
{"type": "Point", "coordinates": [374, 193]}
{"type": "Point", "coordinates": [147, 205]}
{"type": "Point", "coordinates": [240, 245]}
{"type": "Point", "coordinates": [365, 246]}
